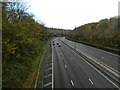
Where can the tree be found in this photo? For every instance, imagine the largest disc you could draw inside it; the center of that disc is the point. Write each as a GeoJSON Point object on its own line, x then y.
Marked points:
{"type": "Point", "coordinates": [17, 11]}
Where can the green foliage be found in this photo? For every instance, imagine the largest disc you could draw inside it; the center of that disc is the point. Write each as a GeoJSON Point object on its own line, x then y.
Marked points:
{"type": "Point", "coordinates": [22, 42]}
{"type": "Point", "coordinates": [104, 33]}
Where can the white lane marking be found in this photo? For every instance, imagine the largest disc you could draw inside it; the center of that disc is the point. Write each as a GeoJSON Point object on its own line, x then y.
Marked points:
{"type": "Point", "coordinates": [37, 75]}
{"type": "Point", "coordinates": [97, 60]}
{"type": "Point", "coordinates": [48, 84]}
{"type": "Point", "coordinates": [72, 82]}
{"type": "Point", "coordinates": [108, 52]}
{"type": "Point", "coordinates": [52, 70]}
{"type": "Point", "coordinates": [98, 71]}
{"type": "Point", "coordinates": [48, 75]}
{"type": "Point", "coordinates": [65, 66]}
{"type": "Point", "coordinates": [102, 57]}
{"type": "Point", "coordinates": [48, 69]}
{"type": "Point", "coordinates": [91, 81]}
{"type": "Point", "coordinates": [103, 51]}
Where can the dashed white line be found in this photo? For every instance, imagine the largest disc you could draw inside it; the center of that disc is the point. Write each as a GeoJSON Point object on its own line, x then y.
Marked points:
{"type": "Point", "coordinates": [102, 57]}
{"type": "Point", "coordinates": [72, 82]}
{"type": "Point", "coordinates": [98, 71]}
{"type": "Point", "coordinates": [91, 81]}
{"type": "Point", "coordinates": [65, 66]}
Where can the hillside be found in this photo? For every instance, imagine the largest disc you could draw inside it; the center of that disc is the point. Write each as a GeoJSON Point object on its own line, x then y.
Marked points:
{"type": "Point", "coordinates": [58, 32]}
{"type": "Point", "coordinates": [105, 33]}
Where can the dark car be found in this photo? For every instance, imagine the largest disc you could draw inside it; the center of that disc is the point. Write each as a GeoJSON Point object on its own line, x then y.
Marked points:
{"type": "Point", "coordinates": [59, 45]}
{"type": "Point", "coordinates": [53, 42]}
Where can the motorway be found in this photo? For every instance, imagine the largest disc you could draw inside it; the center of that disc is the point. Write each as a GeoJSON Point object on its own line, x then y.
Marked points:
{"type": "Point", "coordinates": [72, 71]}
{"type": "Point", "coordinates": [101, 55]}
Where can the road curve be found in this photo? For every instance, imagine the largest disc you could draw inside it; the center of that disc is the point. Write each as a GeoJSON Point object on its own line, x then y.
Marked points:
{"type": "Point", "coordinates": [71, 71]}
{"type": "Point", "coordinates": [107, 58]}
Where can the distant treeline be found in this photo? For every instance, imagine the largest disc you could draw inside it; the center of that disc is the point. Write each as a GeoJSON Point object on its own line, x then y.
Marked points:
{"type": "Point", "coordinates": [23, 39]}
{"type": "Point", "coordinates": [58, 32]}
{"type": "Point", "coordinates": [105, 33]}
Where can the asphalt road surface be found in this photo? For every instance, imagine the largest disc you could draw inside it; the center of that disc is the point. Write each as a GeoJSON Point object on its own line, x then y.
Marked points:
{"type": "Point", "coordinates": [101, 55]}
{"type": "Point", "coordinates": [72, 71]}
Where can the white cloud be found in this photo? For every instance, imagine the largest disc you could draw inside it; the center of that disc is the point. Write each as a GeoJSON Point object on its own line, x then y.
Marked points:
{"type": "Point", "coordinates": [70, 13]}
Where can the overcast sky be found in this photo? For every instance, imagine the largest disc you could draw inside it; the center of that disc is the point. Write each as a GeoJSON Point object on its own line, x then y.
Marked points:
{"type": "Point", "coordinates": [68, 14]}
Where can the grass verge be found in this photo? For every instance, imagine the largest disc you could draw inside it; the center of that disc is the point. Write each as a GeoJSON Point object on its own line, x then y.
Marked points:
{"type": "Point", "coordinates": [21, 72]}
{"type": "Point", "coordinates": [29, 82]}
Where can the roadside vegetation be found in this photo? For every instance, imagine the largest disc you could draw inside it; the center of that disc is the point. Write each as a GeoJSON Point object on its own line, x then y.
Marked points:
{"type": "Point", "coordinates": [105, 33]}
{"type": "Point", "coordinates": [23, 43]}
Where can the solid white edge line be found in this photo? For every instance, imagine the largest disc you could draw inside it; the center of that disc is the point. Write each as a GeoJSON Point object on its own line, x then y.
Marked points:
{"type": "Point", "coordinates": [91, 81]}
{"type": "Point", "coordinates": [72, 82]}
{"type": "Point", "coordinates": [104, 51]}
{"type": "Point", "coordinates": [52, 69]}
{"type": "Point", "coordinates": [98, 60]}
{"type": "Point", "coordinates": [98, 71]}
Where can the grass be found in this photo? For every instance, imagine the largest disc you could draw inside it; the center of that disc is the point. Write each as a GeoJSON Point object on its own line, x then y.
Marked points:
{"type": "Point", "coordinates": [39, 84]}
{"type": "Point", "coordinates": [29, 82]}
{"type": "Point", "coordinates": [22, 72]}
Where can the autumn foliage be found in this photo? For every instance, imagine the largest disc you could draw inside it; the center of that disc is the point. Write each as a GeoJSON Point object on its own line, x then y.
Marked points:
{"type": "Point", "coordinates": [105, 33]}
{"type": "Point", "coordinates": [23, 39]}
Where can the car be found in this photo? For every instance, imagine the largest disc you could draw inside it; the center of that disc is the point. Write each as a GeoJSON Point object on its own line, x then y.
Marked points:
{"type": "Point", "coordinates": [53, 42]}
{"type": "Point", "coordinates": [59, 45]}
